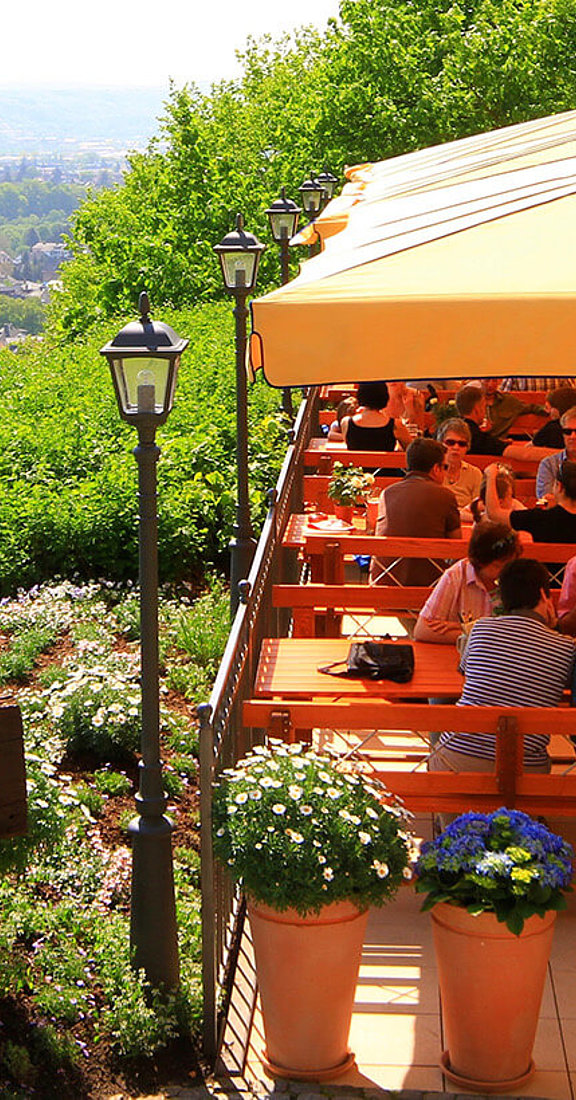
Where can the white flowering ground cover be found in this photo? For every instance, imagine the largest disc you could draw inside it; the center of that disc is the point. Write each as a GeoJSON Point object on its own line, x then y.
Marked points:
{"type": "Point", "coordinates": [74, 1019]}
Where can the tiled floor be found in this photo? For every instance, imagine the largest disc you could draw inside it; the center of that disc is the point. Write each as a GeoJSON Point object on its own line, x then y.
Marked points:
{"type": "Point", "coordinates": [396, 1029]}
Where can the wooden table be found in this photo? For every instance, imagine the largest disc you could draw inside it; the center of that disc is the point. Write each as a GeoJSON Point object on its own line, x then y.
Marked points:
{"type": "Point", "coordinates": [288, 669]}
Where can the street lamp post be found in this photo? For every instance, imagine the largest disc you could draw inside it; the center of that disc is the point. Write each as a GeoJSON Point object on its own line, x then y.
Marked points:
{"type": "Point", "coordinates": [313, 199]}
{"type": "Point", "coordinates": [283, 216]}
{"type": "Point", "coordinates": [144, 359]}
{"type": "Point", "coordinates": [328, 182]}
{"type": "Point", "coordinates": [239, 254]}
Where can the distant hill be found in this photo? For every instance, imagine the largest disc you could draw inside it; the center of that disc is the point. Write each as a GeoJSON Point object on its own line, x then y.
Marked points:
{"type": "Point", "coordinates": [60, 120]}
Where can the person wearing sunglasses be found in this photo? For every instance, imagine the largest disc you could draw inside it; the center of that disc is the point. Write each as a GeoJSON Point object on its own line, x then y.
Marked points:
{"type": "Point", "coordinates": [462, 478]}
{"type": "Point", "coordinates": [549, 467]}
{"type": "Point", "coordinates": [555, 522]}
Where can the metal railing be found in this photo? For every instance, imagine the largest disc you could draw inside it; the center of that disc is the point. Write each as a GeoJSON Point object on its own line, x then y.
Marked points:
{"type": "Point", "coordinates": [223, 739]}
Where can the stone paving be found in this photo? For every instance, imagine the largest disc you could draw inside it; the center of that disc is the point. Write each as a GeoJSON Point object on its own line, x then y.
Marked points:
{"type": "Point", "coordinates": [299, 1090]}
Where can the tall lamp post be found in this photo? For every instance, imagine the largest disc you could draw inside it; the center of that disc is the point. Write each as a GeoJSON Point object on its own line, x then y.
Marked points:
{"type": "Point", "coordinates": [239, 254]}
{"type": "Point", "coordinates": [144, 359]}
{"type": "Point", "coordinates": [283, 216]}
{"type": "Point", "coordinates": [313, 197]}
{"type": "Point", "coordinates": [328, 182]}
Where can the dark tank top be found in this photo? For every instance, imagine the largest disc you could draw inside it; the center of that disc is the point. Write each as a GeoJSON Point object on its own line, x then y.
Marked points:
{"type": "Point", "coordinates": [370, 439]}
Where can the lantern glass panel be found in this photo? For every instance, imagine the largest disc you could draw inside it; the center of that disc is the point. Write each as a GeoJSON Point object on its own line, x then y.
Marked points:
{"type": "Point", "coordinates": [145, 385]}
{"type": "Point", "coordinates": [238, 268]}
{"type": "Point", "coordinates": [283, 225]}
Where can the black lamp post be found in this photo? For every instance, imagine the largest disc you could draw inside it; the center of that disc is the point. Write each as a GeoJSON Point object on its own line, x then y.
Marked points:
{"type": "Point", "coordinates": [283, 216]}
{"type": "Point", "coordinates": [144, 359]}
{"type": "Point", "coordinates": [313, 197]}
{"type": "Point", "coordinates": [239, 254]}
{"type": "Point", "coordinates": [328, 182]}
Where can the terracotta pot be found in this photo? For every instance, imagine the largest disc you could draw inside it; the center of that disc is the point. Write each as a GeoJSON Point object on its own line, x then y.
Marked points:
{"type": "Point", "coordinates": [344, 512]}
{"type": "Point", "coordinates": [307, 969]}
{"type": "Point", "coordinates": [491, 985]}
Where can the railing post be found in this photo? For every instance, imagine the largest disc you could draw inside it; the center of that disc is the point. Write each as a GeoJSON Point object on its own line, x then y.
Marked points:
{"type": "Point", "coordinates": [208, 891]}
{"type": "Point", "coordinates": [509, 757]}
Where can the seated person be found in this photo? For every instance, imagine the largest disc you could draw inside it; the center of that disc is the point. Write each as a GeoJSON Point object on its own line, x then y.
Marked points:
{"type": "Point", "coordinates": [418, 506]}
{"type": "Point", "coordinates": [468, 589]}
{"type": "Point", "coordinates": [548, 468]}
{"type": "Point", "coordinates": [503, 408]}
{"type": "Point", "coordinates": [553, 522]}
{"type": "Point", "coordinates": [347, 407]}
{"type": "Point", "coordinates": [371, 428]}
{"type": "Point", "coordinates": [524, 384]}
{"type": "Point", "coordinates": [471, 406]}
{"type": "Point", "coordinates": [567, 600]}
{"type": "Point", "coordinates": [462, 478]}
{"type": "Point", "coordinates": [505, 486]}
{"type": "Point", "coordinates": [557, 403]}
{"type": "Point", "coordinates": [513, 660]}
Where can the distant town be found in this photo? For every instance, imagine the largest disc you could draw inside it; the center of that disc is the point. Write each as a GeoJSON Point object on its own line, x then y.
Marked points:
{"type": "Point", "coordinates": [56, 145]}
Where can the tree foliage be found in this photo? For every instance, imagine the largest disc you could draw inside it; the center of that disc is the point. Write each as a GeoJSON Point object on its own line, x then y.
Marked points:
{"type": "Point", "coordinates": [68, 479]}
{"type": "Point", "coordinates": [388, 76]}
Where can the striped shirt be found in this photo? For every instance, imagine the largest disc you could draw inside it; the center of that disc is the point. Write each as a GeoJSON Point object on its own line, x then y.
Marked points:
{"type": "Point", "coordinates": [512, 661]}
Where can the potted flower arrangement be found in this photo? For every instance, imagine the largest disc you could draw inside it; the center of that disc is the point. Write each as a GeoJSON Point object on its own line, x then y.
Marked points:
{"type": "Point", "coordinates": [313, 846]}
{"type": "Point", "coordinates": [494, 883]}
{"type": "Point", "coordinates": [349, 488]}
{"type": "Point", "coordinates": [441, 410]}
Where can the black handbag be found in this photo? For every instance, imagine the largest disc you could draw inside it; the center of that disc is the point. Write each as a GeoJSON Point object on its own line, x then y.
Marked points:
{"type": "Point", "coordinates": [376, 661]}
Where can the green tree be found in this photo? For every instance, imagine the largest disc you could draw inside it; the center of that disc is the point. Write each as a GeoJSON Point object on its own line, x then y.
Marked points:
{"type": "Point", "coordinates": [387, 77]}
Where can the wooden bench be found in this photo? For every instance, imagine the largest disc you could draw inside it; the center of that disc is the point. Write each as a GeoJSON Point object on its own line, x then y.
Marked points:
{"type": "Point", "coordinates": [326, 553]}
{"type": "Point", "coordinates": [317, 609]}
{"type": "Point", "coordinates": [12, 774]}
{"type": "Point", "coordinates": [315, 489]}
{"type": "Point", "coordinates": [448, 792]}
{"type": "Point", "coordinates": [321, 455]}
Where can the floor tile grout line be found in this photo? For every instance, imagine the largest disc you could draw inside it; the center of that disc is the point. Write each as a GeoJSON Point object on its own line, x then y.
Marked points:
{"type": "Point", "coordinates": [561, 1029]}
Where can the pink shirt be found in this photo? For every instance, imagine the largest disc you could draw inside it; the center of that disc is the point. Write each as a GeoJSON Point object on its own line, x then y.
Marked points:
{"type": "Point", "coordinates": [567, 600]}
{"type": "Point", "coordinates": [459, 596]}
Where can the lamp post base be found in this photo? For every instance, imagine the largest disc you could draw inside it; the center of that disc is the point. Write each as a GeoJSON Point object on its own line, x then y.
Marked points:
{"type": "Point", "coordinates": [153, 929]}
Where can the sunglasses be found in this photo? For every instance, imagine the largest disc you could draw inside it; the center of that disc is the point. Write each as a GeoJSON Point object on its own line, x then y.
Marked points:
{"type": "Point", "coordinates": [455, 442]}
{"type": "Point", "coordinates": [565, 431]}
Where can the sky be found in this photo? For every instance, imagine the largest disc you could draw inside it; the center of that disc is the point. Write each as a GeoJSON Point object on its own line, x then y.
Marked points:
{"type": "Point", "coordinates": [119, 42]}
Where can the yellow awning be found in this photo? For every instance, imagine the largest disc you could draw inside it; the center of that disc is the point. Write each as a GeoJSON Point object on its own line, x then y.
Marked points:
{"type": "Point", "coordinates": [469, 276]}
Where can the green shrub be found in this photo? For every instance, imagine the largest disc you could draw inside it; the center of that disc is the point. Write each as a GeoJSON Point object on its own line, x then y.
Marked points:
{"type": "Point", "coordinates": [112, 783]}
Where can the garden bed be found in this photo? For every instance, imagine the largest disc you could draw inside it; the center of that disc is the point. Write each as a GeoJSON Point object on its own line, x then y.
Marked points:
{"type": "Point", "coordinates": [75, 1021]}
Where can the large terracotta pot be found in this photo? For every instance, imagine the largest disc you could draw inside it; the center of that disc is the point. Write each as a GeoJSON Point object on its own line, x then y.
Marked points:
{"type": "Point", "coordinates": [491, 985]}
{"type": "Point", "coordinates": [344, 512]}
{"type": "Point", "coordinates": [307, 969]}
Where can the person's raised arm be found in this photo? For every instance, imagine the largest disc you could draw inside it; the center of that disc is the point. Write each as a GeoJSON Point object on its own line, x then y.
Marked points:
{"type": "Point", "coordinates": [402, 434]}
{"type": "Point", "coordinates": [494, 509]}
{"type": "Point", "coordinates": [528, 451]}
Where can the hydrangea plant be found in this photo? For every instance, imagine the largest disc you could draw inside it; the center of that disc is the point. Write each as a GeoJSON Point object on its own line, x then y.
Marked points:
{"type": "Point", "coordinates": [349, 485]}
{"type": "Point", "coordinates": [300, 830]}
{"type": "Point", "coordinates": [503, 863]}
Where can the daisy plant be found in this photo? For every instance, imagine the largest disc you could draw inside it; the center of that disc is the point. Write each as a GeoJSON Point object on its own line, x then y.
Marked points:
{"type": "Point", "coordinates": [503, 863]}
{"type": "Point", "coordinates": [300, 829]}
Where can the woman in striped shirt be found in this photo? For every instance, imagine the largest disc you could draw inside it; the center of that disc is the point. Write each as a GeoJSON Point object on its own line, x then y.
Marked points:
{"type": "Point", "coordinates": [513, 660]}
